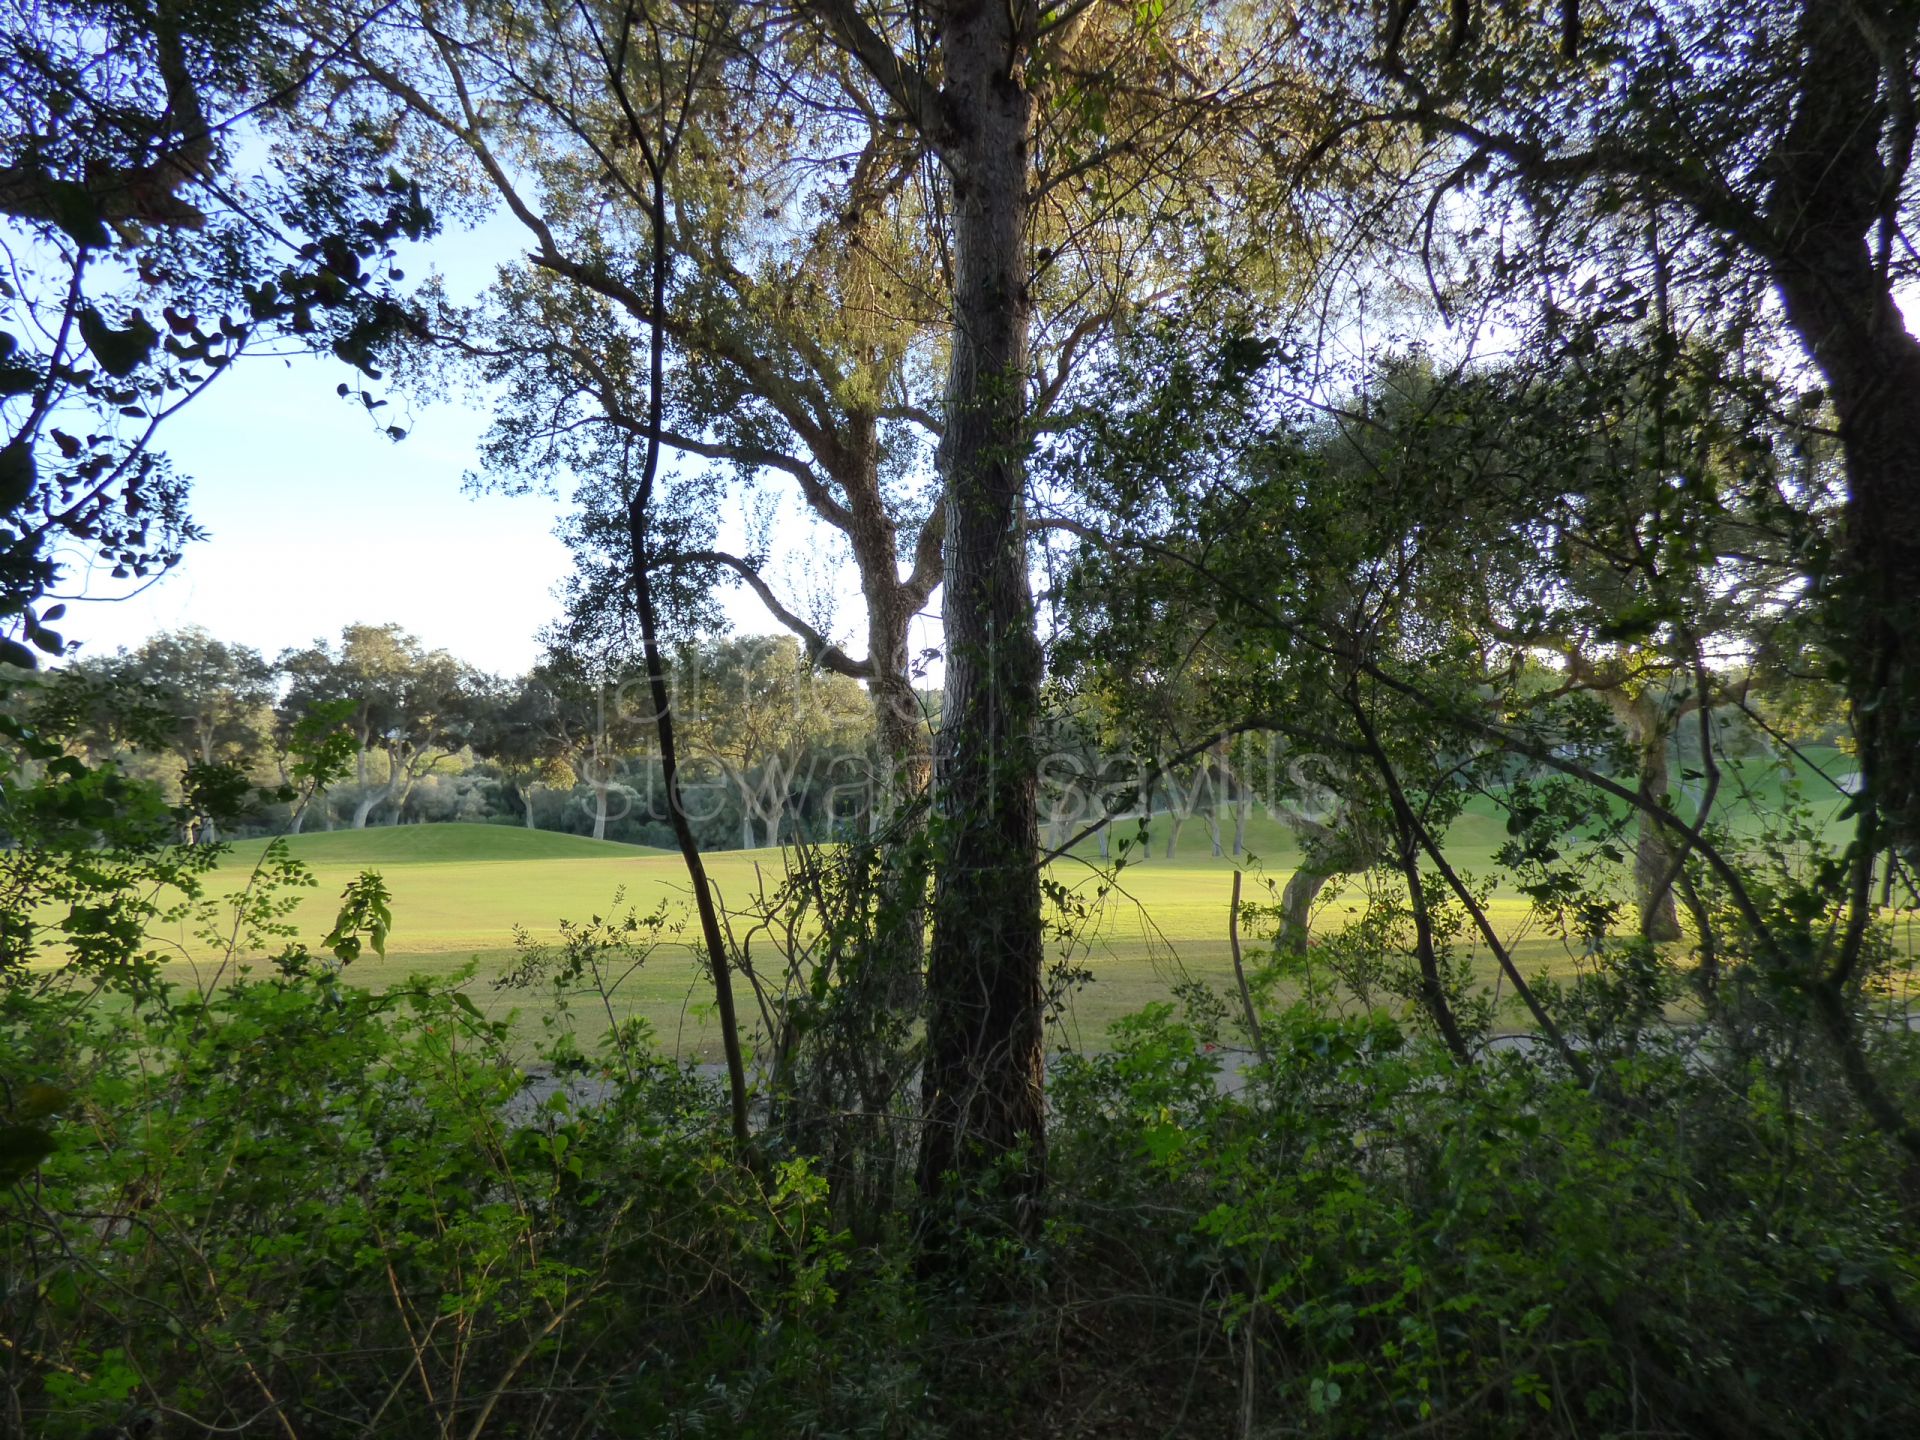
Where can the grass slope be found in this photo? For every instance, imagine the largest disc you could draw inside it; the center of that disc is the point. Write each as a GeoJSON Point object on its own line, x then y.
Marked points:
{"type": "Point", "coordinates": [441, 844]}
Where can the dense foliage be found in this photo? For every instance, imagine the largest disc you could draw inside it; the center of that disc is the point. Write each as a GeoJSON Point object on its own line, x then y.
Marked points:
{"type": "Point", "coordinates": [1586, 513]}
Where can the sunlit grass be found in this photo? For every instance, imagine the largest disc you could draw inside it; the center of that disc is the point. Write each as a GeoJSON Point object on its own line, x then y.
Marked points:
{"type": "Point", "coordinates": [460, 891]}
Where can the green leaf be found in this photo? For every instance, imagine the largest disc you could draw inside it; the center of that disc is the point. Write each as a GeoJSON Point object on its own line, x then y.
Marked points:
{"type": "Point", "coordinates": [17, 474]}
{"type": "Point", "coordinates": [120, 352]}
{"type": "Point", "coordinates": [15, 378]}
{"type": "Point", "coordinates": [76, 212]}
{"type": "Point", "coordinates": [363, 911]}
{"type": "Point", "coordinates": [22, 1148]}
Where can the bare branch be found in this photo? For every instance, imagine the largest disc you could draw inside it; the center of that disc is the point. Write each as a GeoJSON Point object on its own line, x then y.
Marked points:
{"type": "Point", "coordinates": [820, 650]}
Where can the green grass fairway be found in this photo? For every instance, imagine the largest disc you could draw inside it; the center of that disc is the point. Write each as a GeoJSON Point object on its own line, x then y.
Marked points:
{"type": "Point", "coordinates": [460, 891]}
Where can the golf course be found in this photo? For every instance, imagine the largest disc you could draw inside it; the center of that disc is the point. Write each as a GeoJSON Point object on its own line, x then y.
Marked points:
{"type": "Point", "coordinates": [460, 892]}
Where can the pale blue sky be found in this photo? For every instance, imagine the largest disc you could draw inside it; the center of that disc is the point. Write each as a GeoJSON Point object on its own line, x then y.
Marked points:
{"type": "Point", "coordinates": [317, 520]}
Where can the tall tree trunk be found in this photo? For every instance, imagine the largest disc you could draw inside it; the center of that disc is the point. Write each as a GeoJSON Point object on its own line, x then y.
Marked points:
{"type": "Point", "coordinates": [526, 805]}
{"type": "Point", "coordinates": [599, 809]}
{"type": "Point", "coordinates": [639, 515]}
{"type": "Point", "coordinates": [984, 1078]}
{"type": "Point", "coordinates": [1242, 808]}
{"type": "Point", "coordinates": [1825, 210]}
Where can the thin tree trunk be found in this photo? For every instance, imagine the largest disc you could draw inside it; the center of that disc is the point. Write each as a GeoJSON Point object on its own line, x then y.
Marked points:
{"type": "Point", "coordinates": [1240, 972]}
{"type": "Point", "coordinates": [906, 747]}
{"type": "Point", "coordinates": [1654, 854]}
{"type": "Point", "coordinates": [1433, 990]}
{"type": "Point", "coordinates": [1296, 907]}
{"type": "Point", "coordinates": [365, 805]}
{"type": "Point", "coordinates": [984, 1074]}
{"type": "Point", "coordinates": [639, 516]}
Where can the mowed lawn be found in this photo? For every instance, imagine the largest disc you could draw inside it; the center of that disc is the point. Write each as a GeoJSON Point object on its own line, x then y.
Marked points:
{"type": "Point", "coordinates": [460, 891]}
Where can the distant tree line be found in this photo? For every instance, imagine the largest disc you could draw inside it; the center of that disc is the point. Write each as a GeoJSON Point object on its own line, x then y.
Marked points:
{"type": "Point", "coordinates": [779, 749]}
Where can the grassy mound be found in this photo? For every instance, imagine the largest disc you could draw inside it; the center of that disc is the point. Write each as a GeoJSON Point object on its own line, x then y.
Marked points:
{"type": "Point", "coordinates": [448, 844]}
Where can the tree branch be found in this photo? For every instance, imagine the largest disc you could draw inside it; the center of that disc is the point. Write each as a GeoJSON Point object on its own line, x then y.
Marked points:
{"type": "Point", "coordinates": [906, 85]}
{"type": "Point", "coordinates": [820, 650]}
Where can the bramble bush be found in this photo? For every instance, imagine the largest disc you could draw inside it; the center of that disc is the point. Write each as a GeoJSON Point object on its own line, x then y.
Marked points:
{"type": "Point", "coordinates": [276, 1203]}
{"type": "Point", "coordinates": [1700, 1243]}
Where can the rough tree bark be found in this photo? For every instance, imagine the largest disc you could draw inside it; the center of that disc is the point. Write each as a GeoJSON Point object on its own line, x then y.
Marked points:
{"type": "Point", "coordinates": [984, 1077]}
{"type": "Point", "coordinates": [1829, 201]}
